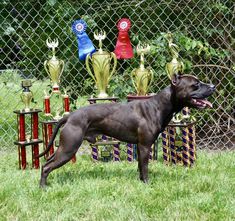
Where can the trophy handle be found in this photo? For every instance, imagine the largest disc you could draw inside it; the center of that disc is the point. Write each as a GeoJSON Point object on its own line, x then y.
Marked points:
{"type": "Point", "coordinates": [114, 64]}
{"type": "Point", "coordinates": [88, 66]}
{"type": "Point", "coordinates": [133, 82]}
{"type": "Point", "coordinates": [151, 76]}
{"type": "Point", "coordinates": [46, 68]}
{"type": "Point", "coordinates": [168, 70]}
{"type": "Point", "coordinates": [182, 67]}
{"type": "Point", "coordinates": [62, 67]}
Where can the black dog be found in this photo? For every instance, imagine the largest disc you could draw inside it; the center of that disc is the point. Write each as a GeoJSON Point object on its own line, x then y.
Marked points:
{"type": "Point", "coordinates": [136, 122]}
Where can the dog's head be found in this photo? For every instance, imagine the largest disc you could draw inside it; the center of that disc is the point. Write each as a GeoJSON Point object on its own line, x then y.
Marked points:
{"type": "Point", "coordinates": [191, 92]}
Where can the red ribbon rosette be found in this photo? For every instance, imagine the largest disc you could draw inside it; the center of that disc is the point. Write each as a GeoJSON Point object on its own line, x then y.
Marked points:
{"type": "Point", "coordinates": [123, 49]}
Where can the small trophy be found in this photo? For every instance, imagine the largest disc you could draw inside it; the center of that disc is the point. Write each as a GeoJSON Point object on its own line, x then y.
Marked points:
{"type": "Point", "coordinates": [142, 77]}
{"type": "Point", "coordinates": [101, 61]}
{"type": "Point", "coordinates": [26, 95]}
{"type": "Point", "coordinates": [175, 66]}
{"type": "Point", "coordinates": [54, 67]}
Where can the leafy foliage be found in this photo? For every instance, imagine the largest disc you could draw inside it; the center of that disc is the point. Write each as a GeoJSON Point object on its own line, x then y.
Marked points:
{"type": "Point", "coordinates": [25, 31]}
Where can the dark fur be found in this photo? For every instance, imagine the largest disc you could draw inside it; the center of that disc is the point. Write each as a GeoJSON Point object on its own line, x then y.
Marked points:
{"type": "Point", "coordinates": [136, 122]}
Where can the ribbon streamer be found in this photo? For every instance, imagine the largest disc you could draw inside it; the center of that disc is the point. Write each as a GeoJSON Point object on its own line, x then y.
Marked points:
{"type": "Point", "coordinates": [85, 45]}
{"type": "Point", "coordinates": [123, 49]}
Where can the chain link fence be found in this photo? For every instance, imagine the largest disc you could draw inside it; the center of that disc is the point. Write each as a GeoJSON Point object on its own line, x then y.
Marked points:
{"type": "Point", "coordinates": [203, 30]}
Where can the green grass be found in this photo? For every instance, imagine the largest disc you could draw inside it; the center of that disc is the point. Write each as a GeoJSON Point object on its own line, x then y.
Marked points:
{"type": "Point", "coordinates": [112, 191]}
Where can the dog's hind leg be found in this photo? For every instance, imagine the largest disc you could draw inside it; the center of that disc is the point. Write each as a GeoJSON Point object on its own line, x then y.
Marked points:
{"type": "Point", "coordinates": [70, 140]}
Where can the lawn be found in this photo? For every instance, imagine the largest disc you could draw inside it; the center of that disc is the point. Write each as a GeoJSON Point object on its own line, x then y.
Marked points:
{"type": "Point", "coordinates": [112, 191]}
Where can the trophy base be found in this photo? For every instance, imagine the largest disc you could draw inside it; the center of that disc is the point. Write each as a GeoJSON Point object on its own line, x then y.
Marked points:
{"type": "Point", "coordinates": [27, 109]}
{"type": "Point", "coordinates": [102, 95]}
{"type": "Point", "coordinates": [132, 97]}
{"type": "Point", "coordinates": [57, 117]}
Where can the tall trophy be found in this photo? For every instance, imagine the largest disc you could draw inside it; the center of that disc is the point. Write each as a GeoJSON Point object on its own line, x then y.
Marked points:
{"type": "Point", "coordinates": [54, 66]}
{"type": "Point", "coordinates": [101, 62]}
{"type": "Point", "coordinates": [142, 77]}
{"type": "Point", "coordinates": [175, 66]}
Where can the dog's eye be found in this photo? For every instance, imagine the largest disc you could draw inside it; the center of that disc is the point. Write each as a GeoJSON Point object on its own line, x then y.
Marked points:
{"type": "Point", "coordinates": [196, 86]}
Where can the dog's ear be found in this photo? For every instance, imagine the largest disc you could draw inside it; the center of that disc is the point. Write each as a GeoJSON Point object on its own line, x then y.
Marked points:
{"type": "Point", "coordinates": [175, 79]}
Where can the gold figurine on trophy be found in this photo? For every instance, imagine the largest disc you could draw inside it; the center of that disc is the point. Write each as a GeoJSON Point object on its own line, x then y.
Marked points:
{"type": "Point", "coordinates": [54, 66]}
{"type": "Point", "coordinates": [175, 66]}
{"type": "Point", "coordinates": [101, 62]}
{"type": "Point", "coordinates": [142, 77]}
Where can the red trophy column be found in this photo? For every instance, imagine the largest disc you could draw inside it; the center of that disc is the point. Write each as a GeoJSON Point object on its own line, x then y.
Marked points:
{"type": "Point", "coordinates": [47, 109]}
{"type": "Point", "coordinates": [22, 138]}
{"type": "Point", "coordinates": [35, 146]}
{"type": "Point", "coordinates": [24, 141]}
{"type": "Point", "coordinates": [50, 131]}
{"type": "Point", "coordinates": [66, 104]}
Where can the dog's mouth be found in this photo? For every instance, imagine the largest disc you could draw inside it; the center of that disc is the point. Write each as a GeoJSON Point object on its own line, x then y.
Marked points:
{"type": "Point", "coordinates": [201, 103]}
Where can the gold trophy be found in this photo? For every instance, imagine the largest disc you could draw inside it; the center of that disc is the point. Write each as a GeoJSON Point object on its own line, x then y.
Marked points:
{"type": "Point", "coordinates": [54, 67]}
{"type": "Point", "coordinates": [142, 77]}
{"type": "Point", "coordinates": [101, 61]}
{"type": "Point", "coordinates": [175, 66]}
{"type": "Point", "coordinates": [26, 95]}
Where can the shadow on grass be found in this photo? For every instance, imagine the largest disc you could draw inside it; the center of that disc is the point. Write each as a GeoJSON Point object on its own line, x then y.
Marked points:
{"type": "Point", "coordinates": [97, 172]}
{"type": "Point", "coordinates": [127, 172]}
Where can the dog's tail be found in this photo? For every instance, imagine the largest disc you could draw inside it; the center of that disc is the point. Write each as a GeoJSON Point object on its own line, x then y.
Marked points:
{"type": "Point", "coordinates": [58, 125]}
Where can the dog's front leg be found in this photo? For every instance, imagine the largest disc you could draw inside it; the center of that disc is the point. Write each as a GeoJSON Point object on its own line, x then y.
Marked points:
{"type": "Point", "coordinates": [143, 159]}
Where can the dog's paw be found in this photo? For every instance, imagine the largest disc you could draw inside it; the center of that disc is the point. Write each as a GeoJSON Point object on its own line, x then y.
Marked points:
{"type": "Point", "coordinates": [144, 180]}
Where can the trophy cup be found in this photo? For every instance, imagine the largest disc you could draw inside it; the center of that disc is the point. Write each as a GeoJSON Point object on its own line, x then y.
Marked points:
{"type": "Point", "coordinates": [54, 67]}
{"type": "Point", "coordinates": [26, 95]}
{"type": "Point", "coordinates": [142, 77]}
{"type": "Point", "coordinates": [175, 66]}
{"type": "Point", "coordinates": [101, 61]}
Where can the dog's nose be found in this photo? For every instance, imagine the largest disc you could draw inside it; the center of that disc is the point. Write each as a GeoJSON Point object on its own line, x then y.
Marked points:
{"type": "Point", "coordinates": [212, 87]}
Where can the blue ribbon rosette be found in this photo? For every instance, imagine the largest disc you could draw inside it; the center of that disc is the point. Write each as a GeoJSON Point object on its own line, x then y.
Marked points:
{"type": "Point", "coordinates": [85, 45]}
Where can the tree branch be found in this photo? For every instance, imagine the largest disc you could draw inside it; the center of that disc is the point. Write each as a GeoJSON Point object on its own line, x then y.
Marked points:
{"type": "Point", "coordinates": [213, 65]}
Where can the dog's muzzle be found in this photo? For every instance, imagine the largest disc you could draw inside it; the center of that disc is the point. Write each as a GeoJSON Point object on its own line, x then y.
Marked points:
{"type": "Point", "coordinates": [202, 102]}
